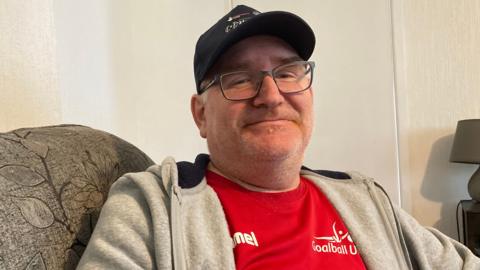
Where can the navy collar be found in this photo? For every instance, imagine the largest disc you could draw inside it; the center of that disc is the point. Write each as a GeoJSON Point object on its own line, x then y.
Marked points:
{"type": "Point", "coordinates": [191, 174]}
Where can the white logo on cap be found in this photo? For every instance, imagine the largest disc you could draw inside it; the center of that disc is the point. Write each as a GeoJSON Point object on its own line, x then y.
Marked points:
{"type": "Point", "coordinates": [235, 21]}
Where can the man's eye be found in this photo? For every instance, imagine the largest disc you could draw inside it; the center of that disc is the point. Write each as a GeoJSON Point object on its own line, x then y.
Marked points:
{"type": "Point", "coordinates": [241, 81]}
{"type": "Point", "coordinates": [286, 75]}
{"type": "Point", "coordinates": [236, 81]}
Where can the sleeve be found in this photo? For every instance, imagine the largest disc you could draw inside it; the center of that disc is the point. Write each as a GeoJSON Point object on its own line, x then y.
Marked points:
{"type": "Point", "coordinates": [124, 234]}
{"type": "Point", "coordinates": [428, 248]}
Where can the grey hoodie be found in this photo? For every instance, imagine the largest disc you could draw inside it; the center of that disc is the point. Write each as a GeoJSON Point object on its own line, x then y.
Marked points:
{"type": "Point", "coordinates": [169, 218]}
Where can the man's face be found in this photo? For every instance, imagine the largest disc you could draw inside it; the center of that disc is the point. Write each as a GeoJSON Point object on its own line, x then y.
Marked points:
{"type": "Point", "coordinates": [272, 126]}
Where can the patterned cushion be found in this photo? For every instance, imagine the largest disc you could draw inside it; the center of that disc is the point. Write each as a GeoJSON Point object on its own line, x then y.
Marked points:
{"type": "Point", "coordinates": [53, 183]}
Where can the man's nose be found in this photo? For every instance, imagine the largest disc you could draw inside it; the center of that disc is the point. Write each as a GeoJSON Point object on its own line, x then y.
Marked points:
{"type": "Point", "coordinates": [269, 94]}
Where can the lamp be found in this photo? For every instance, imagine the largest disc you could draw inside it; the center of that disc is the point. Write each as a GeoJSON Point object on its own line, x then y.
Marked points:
{"type": "Point", "coordinates": [466, 149]}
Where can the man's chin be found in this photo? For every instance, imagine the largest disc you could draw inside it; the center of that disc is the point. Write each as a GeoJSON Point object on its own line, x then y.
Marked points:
{"type": "Point", "coordinates": [273, 151]}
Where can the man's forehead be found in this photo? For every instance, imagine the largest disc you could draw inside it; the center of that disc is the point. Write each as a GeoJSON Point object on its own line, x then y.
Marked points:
{"type": "Point", "coordinates": [243, 64]}
{"type": "Point", "coordinates": [246, 53]}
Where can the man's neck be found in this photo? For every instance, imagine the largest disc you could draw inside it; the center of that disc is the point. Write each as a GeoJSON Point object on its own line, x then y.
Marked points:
{"type": "Point", "coordinates": [261, 177]}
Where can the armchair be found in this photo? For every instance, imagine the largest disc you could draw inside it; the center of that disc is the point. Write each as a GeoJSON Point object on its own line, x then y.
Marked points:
{"type": "Point", "coordinates": [53, 183]}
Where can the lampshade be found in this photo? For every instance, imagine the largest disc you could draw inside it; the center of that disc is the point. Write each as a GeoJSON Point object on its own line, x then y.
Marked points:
{"type": "Point", "coordinates": [466, 149]}
{"type": "Point", "coordinates": [466, 145]}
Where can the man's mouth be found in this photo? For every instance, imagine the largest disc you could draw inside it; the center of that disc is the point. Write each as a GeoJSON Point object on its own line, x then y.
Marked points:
{"type": "Point", "coordinates": [268, 122]}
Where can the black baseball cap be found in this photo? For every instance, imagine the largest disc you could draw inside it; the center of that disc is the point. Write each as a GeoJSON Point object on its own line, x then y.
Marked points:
{"type": "Point", "coordinates": [242, 22]}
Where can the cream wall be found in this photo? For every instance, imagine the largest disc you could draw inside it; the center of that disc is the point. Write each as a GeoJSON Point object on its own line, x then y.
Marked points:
{"type": "Point", "coordinates": [127, 67]}
{"type": "Point", "coordinates": [28, 81]}
{"type": "Point", "coordinates": [84, 63]}
{"type": "Point", "coordinates": [438, 83]}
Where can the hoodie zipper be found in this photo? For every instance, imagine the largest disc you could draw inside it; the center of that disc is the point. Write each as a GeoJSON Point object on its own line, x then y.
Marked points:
{"type": "Point", "coordinates": [170, 177]}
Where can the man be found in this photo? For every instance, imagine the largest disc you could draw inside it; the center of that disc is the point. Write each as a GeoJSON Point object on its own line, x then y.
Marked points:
{"type": "Point", "coordinates": [251, 204]}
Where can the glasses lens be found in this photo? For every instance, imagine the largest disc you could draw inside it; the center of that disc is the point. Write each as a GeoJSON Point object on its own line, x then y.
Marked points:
{"type": "Point", "coordinates": [293, 77]}
{"type": "Point", "coordinates": [290, 78]}
{"type": "Point", "coordinates": [238, 85]}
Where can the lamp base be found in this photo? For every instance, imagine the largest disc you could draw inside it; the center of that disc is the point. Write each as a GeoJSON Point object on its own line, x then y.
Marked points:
{"type": "Point", "coordinates": [474, 185]}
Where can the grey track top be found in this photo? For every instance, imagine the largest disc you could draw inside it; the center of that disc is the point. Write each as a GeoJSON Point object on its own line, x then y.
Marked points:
{"type": "Point", "coordinates": [153, 220]}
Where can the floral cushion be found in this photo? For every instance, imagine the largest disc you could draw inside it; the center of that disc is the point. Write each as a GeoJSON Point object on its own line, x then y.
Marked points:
{"type": "Point", "coordinates": [53, 183]}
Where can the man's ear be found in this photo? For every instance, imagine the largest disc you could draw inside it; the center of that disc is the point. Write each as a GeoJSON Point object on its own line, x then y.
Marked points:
{"type": "Point", "coordinates": [197, 106]}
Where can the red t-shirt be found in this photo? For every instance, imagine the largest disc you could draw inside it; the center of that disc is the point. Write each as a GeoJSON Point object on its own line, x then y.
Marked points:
{"type": "Point", "coordinates": [297, 229]}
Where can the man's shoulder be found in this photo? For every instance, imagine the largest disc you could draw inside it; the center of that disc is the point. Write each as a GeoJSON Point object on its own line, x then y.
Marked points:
{"type": "Point", "coordinates": [138, 180]}
{"type": "Point", "coordinates": [170, 172]}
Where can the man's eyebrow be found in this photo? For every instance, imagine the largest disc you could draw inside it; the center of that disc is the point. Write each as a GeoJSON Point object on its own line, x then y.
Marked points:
{"type": "Point", "coordinates": [289, 59]}
{"type": "Point", "coordinates": [235, 67]}
{"type": "Point", "coordinates": [246, 65]}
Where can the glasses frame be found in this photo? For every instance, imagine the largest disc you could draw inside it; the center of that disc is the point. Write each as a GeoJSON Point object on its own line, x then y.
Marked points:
{"type": "Point", "coordinates": [217, 80]}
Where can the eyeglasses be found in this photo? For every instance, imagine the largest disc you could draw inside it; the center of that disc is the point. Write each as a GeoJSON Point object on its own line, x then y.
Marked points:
{"type": "Point", "coordinates": [290, 78]}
